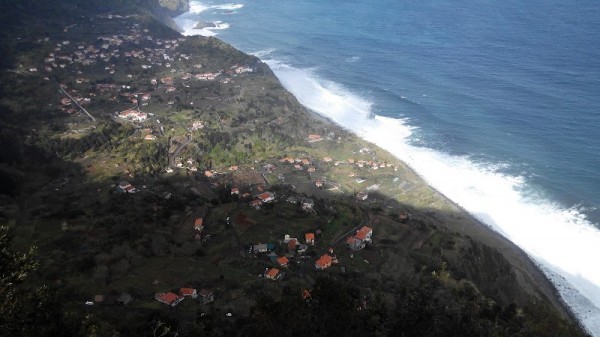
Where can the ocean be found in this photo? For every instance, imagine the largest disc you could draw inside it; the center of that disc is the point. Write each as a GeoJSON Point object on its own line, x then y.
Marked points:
{"type": "Point", "coordinates": [495, 104]}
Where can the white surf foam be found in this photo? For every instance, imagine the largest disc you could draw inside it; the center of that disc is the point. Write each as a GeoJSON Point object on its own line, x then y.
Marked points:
{"type": "Point", "coordinates": [263, 53]}
{"type": "Point", "coordinates": [563, 243]}
{"type": "Point", "coordinates": [197, 7]}
{"type": "Point", "coordinates": [228, 7]}
{"type": "Point", "coordinates": [187, 27]}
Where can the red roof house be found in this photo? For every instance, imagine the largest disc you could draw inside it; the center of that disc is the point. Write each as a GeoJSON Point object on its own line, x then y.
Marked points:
{"type": "Point", "coordinates": [323, 262]}
{"type": "Point", "coordinates": [189, 292]}
{"type": "Point", "coordinates": [283, 261]}
{"type": "Point", "coordinates": [199, 224]}
{"type": "Point", "coordinates": [310, 238]}
{"type": "Point", "coordinates": [170, 299]}
{"type": "Point", "coordinates": [273, 274]}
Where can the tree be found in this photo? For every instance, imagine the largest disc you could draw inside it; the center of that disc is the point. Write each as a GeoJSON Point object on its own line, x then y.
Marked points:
{"type": "Point", "coordinates": [25, 310]}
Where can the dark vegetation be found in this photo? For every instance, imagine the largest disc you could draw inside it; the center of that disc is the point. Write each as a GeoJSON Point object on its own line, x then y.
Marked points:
{"type": "Point", "coordinates": [417, 280]}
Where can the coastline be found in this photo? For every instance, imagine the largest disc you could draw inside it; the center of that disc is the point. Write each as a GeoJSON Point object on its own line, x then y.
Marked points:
{"type": "Point", "coordinates": [529, 274]}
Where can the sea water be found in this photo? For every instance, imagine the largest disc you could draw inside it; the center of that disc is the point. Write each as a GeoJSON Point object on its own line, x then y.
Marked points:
{"type": "Point", "coordinates": [494, 103]}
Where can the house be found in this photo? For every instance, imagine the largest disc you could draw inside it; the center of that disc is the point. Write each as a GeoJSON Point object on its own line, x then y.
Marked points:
{"type": "Point", "coordinates": [323, 262]}
{"type": "Point", "coordinates": [233, 168]}
{"type": "Point", "coordinates": [207, 296]}
{"type": "Point", "coordinates": [287, 238]}
{"type": "Point", "coordinates": [362, 196]}
{"type": "Point", "coordinates": [263, 247]}
{"type": "Point", "coordinates": [314, 138]}
{"type": "Point", "coordinates": [126, 187]}
{"type": "Point", "coordinates": [305, 161]}
{"type": "Point", "coordinates": [301, 248]}
{"type": "Point", "coordinates": [306, 295]}
{"type": "Point", "coordinates": [235, 190]}
{"type": "Point", "coordinates": [327, 159]}
{"type": "Point", "coordinates": [364, 234]}
{"type": "Point", "coordinates": [167, 80]}
{"type": "Point", "coordinates": [208, 174]}
{"type": "Point", "coordinates": [266, 197]}
{"type": "Point", "coordinates": [255, 203]}
{"type": "Point", "coordinates": [188, 292]}
{"type": "Point", "coordinates": [199, 224]}
{"type": "Point", "coordinates": [170, 299]}
{"type": "Point", "coordinates": [360, 239]}
{"type": "Point", "coordinates": [292, 244]}
{"type": "Point", "coordinates": [308, 204]}
{"type": "Point", "coordinates": [150, 137]}
{"type": "Point", "coordinates": [273, 274]}
{"type": "Point", "coordinates": [310, 238]}
{"type": "Point", "coordinates": [319, 183]}
{"type": "Point", "coordinates": [354, 243]}
{"type": "Point", "coordinates": [283, 261]}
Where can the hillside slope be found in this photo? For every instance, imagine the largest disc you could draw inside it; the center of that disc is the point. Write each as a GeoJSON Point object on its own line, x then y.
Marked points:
{"type": "Point", "coordinates": [233, 178]}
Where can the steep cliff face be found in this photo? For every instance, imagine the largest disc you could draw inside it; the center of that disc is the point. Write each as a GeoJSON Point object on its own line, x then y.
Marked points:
{"type": "Point", "coordinates": [175, 6]}
{"type": "Point", "coordinates": [165, 10]}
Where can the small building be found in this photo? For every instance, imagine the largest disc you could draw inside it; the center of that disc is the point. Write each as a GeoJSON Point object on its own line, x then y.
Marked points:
{"type": "Point", "coordinates": [199, 224]}
{"type": "Point", "coordinates": [235, 191]}
{"type": "Point", "coordinates": [301, 248]}
{"type": "Point", "coordinates": [292, 245]}
{"type": "Point", "coordinates": [308, 204]}
{"type": "Point", "coordinates": [319, 183]}
{"type": "Point", "coordinates": [362, 196]}
{"type": "Point", "coordinates": [273, 274]}
{"type": "Point", "coordinates": [255, 203]}
{"type": "Point", "coordinates": [310, 238]}
{"type": "Point", "coordinates": [207, 296]}
{"type": "Point", "coordinates": [360, 239]}
{"type": "Point", "coordinates": [354, 243]}
{"type": "Point", "coordinates": [364, 234]}
{"type": "Point", "coordinates": [266, 197]}
{"type": "Point", "coordinates": [170, 299]}
{"type": "Point", "coordinates": [126, 187]}
{"type": "Point", "coordinates": [323, 262]}
{"type": "Point", "coordinates": [283, 261]}
{"type": "Point", "coordinates": [188, 292]}
{"type": "Point", "coordinates": [263, 247]}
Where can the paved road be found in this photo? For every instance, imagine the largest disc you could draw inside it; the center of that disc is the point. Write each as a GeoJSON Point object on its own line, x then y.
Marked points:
{"type": "Point", "coordinates": [176, 152]}
{"type": "Point", "coordinates": [74, 101]}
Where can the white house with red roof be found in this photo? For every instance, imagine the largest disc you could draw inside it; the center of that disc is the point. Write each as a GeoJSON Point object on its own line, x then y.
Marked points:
{"type": "Point", "coordinates": [170, 299]}
{"type": "Point", "coordinates": [266, 197]}
{"type": "Point", "coordinates": [199, 224]}
{"type": "Point", "coordinates": [360, 239]}
{"type": "Point", "coordinates": [323, 262]}
{"type": "Point", "coordinates": [188, 292]}
{"type": "Point", "coordinates": [273, 274]}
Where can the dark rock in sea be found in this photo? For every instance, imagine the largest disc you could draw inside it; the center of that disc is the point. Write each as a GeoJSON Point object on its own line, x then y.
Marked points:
{"type": "Point", "coordinates": [202, 25]}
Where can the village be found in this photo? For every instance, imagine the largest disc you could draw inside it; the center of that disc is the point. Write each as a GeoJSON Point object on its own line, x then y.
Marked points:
{"type": "Point", "coordinates": [266, 212]}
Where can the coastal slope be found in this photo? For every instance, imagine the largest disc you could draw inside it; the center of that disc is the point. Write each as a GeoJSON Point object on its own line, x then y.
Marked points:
{"type": "Point", "coordinates": [171, 184]}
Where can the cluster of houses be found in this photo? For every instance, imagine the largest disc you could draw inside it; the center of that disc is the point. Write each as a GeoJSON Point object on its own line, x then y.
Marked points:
{"type": "Point", "coordinates": [136, 45]}
{"type": "Point", "coordinates": [355, 242]}
{"type": "Point", "coordinates": [172, 299]}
